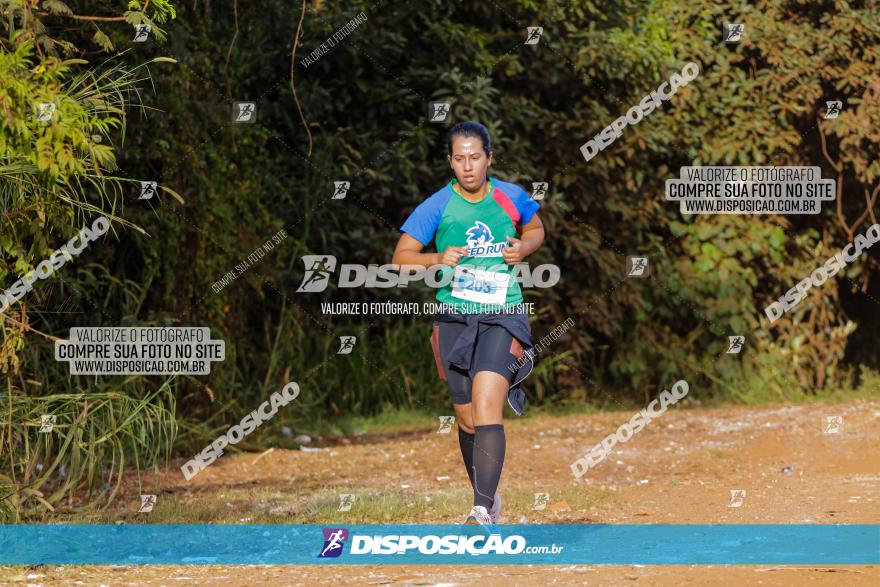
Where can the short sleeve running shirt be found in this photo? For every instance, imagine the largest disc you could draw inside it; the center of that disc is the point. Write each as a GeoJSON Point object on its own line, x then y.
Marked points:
{"type": "Point", "coordinates": [481, 278]}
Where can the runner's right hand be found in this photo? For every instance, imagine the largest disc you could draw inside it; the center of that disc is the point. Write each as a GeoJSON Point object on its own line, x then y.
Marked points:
{"type": "Point", "coordinates": [452, 255]}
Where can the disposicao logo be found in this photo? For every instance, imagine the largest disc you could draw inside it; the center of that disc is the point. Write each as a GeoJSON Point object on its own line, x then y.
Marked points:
{"type": "Point", "coordinates": [450, 544]}
{"type": "Point", "coordinates": [319, 269]}
{"type": "Point", "coordinates": [403, 544]}
{"type": "Point", "coordinates": [334, 541]}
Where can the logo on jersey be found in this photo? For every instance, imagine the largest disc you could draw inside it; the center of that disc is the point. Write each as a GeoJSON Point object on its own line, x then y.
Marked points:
{"type": "Point", "coordinates": [334, 541]}
{"type": "Point", "coordinates": [479, 242]}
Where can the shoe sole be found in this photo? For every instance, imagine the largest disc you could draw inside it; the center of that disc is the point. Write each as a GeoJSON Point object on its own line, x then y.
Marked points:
{"type": "Point", "coordinates": [476, 522]}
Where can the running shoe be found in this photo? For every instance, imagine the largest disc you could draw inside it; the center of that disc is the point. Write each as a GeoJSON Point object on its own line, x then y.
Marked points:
{"type": "Point", "coordinates": [479, 515]}
{"type": "Point", "coordinates": [495, 512]}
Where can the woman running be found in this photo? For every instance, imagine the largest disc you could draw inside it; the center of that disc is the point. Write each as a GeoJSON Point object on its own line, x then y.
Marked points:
{"type": "Point", "coordinates": [481, 335]}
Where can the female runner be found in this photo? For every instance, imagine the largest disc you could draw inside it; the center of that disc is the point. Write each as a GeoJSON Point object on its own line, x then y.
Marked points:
{"type": "Point", "coordinates": [481, 331]}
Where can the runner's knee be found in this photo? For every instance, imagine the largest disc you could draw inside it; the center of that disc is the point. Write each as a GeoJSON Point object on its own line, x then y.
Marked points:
{"type": "Point", "coordinates": [488, 411]}
{"type": "Point", "coordinates": [464, 417]}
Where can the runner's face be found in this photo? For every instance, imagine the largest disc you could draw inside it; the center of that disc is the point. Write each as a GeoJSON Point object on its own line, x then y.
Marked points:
{"type": "Point", "coordinates": [469, 162]}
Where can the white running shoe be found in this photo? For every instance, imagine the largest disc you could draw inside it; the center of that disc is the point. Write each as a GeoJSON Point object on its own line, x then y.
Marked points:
{"type": "Point", "coordinates": [479, 515]}
{"type": "Point", "coordinates": [495, 512]}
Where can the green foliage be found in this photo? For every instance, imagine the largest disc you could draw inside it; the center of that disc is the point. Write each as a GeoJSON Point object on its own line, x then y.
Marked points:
{"type": "Point", "coordinates": [62, 124]}
{"type": "Point", "coordinates": [55, 171]}
{"type": "Point", "coordinates": [163, 10]}
{"type": "Point", "coordinates": [364, 104]}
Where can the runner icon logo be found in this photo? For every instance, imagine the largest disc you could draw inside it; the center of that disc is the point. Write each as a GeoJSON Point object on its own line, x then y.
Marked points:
{"type": "Point", "coordinates": [148, 501]}
{"type": "Point", "coordinates": [534, 33]}
{"type": "Point", "coordinates": [438, 111]}
{"type": "Point", "coordinates": [737, 497]}
{"type": "Point", "coordinates": [833, 424]}
{"type": "Point", "coordinates": [45, 111]}
{"type": "Point", "coordinates": [446, 423]}
{"type": "Point", "coordinates": [245, 112]}
{"type": "Point", "coordinates": [346, 345]}
{"type": "Point", "coordinates": [318, 270]}
{"type": "Point", "coordinates": [340, 189]}
{"type": "Point", "coordinates": [148, 189]}
{"type": "Point", "coordinates": [735, 32]}
{"type": "Point", "coordinates": [346, 500]}
{"type": "Point", "coordinates": [334, 541]}
{"type": "Point", "coordinates": [539, 189]}
{"type": "Point", "coordinates": [637, 266]}
{"type": "Point", "coordinates": [736, 344]}
{"type": "Point", "coordinates": [832, 109]}
{"type": "Point", "coordinates": [541, 501]}
{"type": "Point", "coordinates": [47, 422]}
{"type": "Point", "coordinates": [142, 32]}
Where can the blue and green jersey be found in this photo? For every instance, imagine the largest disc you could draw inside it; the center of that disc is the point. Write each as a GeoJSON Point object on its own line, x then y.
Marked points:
{"type": "Point", "coordinates": [481, 277]}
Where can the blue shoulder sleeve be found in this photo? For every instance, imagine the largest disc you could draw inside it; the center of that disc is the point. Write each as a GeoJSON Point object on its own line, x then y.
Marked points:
{"type": "Point", "coordinates": [525, 205]}
{"type": "Point", "coordinates": [423, 222]}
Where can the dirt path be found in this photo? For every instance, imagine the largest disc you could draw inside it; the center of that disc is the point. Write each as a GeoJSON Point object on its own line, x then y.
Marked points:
{"type": "Point", "coordinates": [680, 469]}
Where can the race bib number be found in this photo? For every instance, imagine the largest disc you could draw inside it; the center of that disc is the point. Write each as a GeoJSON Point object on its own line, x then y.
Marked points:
{"type": "Point", "coordinates": [478, 285]}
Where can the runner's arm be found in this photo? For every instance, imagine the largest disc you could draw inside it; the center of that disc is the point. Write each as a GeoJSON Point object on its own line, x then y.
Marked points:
{"type": "Point", "coordinates": [532, 236]}
{"type": "Point", "coordinates": [409, 252]}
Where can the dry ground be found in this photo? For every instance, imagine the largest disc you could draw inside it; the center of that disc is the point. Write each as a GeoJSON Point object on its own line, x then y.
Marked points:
{"type": "Point", "coordinates": [679, 469]}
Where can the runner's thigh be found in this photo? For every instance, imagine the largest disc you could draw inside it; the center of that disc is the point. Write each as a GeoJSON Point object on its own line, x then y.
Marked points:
{"type": "Point", "coordinates": [495, 351]}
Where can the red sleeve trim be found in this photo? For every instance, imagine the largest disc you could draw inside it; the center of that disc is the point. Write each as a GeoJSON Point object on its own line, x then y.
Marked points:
{"type": "Point", "coordinates": [507, 205]}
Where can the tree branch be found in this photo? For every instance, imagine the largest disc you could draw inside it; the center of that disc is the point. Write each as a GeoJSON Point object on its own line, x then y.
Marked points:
{"type": "Point", "coordinates": [99, 18]}
{"type": "Point", "coordinates": [23, 326]}
{"type": "Point", "coordinates": [229, 51]}
{"type": "Point", "coordinates": [293, 75]}
{"type": "Point", "coordinates": [870, 202]}
{"type": "Point", "coordinates": [80, 17]}
{"type": "Point", "coordinates": [838, 166]}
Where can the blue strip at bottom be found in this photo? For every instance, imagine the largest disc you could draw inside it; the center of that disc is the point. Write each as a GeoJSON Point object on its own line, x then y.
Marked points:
{"type": "Point", "coordinates": [674, 544]}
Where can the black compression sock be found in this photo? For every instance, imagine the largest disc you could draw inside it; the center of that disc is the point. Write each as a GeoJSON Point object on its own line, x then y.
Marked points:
{"type": "Point", "coordinates": [466, 442]}
{"type": "Point", "coordinates": [489, 445]}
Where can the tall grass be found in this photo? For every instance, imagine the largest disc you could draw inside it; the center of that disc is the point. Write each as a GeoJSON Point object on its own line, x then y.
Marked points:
{"type": "Point", "coordinates": [82, 460]}
{"type": "Point", "coordinates": [389, 370]}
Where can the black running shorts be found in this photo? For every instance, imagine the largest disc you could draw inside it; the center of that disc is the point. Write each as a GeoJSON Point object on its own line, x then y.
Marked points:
{"type": "Point", "coordinates": [495, 350]}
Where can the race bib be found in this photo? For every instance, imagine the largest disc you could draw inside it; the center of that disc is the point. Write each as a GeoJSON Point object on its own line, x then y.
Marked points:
{"type": "Point", "coordinates": [478, 285]}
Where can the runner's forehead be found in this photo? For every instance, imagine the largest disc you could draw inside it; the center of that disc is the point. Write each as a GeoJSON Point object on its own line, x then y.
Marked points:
{"type": "Point", "coordinates": [466, 145]}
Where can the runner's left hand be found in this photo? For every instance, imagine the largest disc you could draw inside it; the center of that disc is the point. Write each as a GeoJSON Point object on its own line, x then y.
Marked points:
{"type": "Point", "coordinates": [513, 252]}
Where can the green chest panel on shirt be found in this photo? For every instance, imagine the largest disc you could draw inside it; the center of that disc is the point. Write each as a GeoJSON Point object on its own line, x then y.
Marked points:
{"type": "Point", "coordinates": [482, 227]}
